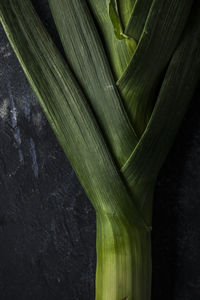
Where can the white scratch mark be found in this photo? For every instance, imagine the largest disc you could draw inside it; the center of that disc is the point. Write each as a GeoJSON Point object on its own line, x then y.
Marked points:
{"type": "Point", "coordinates": [4, 109]}
{"type": "Point", "coordinates": [21, 156]}
{"type": "Point", "coordinates": [17, 136]}
{"type": "Point", "coordinates": [34, 157]}
{"type": "Point", "coordinates": [5, 51]}
{"type": "Point", "coordinates": [16, 130]}
{"type": "Point", "coordinates": [7, 54]}
{"type": "Point", "coordinates": [37, 120]}
{"type": "Point", "coordinates": [13, 111]}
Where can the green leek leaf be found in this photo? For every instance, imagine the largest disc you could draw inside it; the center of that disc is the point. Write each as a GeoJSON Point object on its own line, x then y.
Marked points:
{"type": "Point", "coordinates": [138, 18]}
{"type": "Point", "coordinates": [85, 53]}
{"type": "Point", "coordinates": [139, 83]}
{"type": "Point", "coordinates": [125, 9]}
{"type": "Point", "coordinates": [181, 78]}
{"type": "Point", "coordinates": [120, 52]}
{"type": "Point", "coordinates": [115, 106]}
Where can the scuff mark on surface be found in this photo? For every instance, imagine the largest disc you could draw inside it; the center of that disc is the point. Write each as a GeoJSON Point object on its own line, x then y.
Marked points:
{"type": "Point", "coordinates": [34, 157]}
{"type": "Point", "coordinates": [37, 120]}
{"type": "Point", "coordinates": [4, 108]}
{"type": "Point", "coordinates": [16, 130]}
{"type": "Point", "coordinates": [7, 54]}
{"type": "Point", "coordinates": [21, 156]}
{"type": "Point", "coordinates": [36, 250]}
{"type": "Point", "coordinates": [5, 51]}
{"type": "Point", "coordinates": [13, 111]}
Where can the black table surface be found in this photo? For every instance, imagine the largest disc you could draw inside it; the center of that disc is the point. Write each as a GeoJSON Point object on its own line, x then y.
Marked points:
{"type": "Point", "coordinates": [47, 224]}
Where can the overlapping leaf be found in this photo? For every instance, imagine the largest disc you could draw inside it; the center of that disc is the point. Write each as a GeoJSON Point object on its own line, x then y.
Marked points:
{"type": "Point", "coordinates": [120, 51]}
{"type": "Point", "coordinates": [180, 80]}
{"type": "Point", "coordinates": [67, 111]}
{"type": "Point", "coordinates": [152, 49]}
{"type": "Point", "coordinates": [85, 107]}
{"type": "Point", "coordinates": [137, 19]}
{"type": "Point", "coordinates": [85, 53]}
{"type": "Point", "coordinates": [138, 84]}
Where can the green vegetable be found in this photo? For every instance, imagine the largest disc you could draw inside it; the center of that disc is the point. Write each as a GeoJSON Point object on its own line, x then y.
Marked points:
{"type": "Point", "coordinates": [115, 103]}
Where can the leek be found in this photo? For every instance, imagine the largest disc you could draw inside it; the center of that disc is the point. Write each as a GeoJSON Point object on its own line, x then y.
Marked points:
{"type": "Point", "coordinates": [115, 102]}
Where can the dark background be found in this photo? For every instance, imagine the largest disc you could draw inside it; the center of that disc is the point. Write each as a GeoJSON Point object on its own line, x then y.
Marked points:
{"type": "Point", "coordinates": [47, 224]}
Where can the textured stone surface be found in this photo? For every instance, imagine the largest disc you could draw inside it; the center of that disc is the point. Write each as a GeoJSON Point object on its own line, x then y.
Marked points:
{"type": "Point", "coordinates": [47, 225]}
{"type": "Point", "coordinates": [176, 220]}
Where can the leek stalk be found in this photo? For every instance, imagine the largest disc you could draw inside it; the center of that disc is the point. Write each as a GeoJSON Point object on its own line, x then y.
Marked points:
{"type": "Point", "coordinates": [115, 102]}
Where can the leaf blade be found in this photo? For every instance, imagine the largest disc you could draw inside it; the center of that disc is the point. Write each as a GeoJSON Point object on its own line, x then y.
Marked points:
{"type": "Point", "coordinates": [161, 34]}
{"type": "Point", "coordinates": [138, 18]}
{"type": "Point", "coordinates": [119, 52]}
{"type": "Point", "coordinates": [179, 84]}
{"type": "Point", "coordinates": [85, 53]}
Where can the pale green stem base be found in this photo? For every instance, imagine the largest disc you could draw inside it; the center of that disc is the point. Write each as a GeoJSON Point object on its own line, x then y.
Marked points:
{"type": "Point", "coordinates": [123, 261]}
